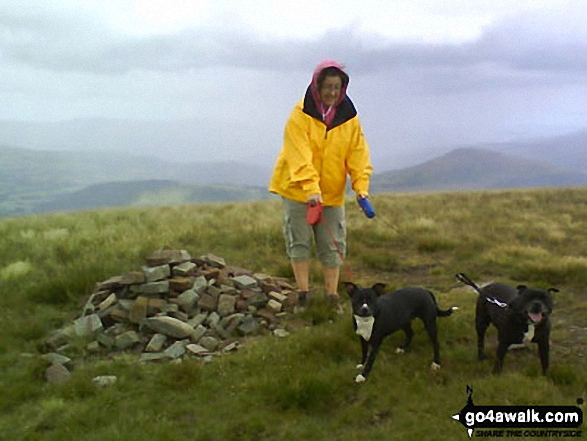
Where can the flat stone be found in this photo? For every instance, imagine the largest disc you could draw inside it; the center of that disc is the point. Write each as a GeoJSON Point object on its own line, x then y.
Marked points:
{"type": "Point", "coordinates": [187, 300]}
{"type": "Point", "coordinates": [258, 300]}
{"type": "Point", "coordinates": [155, 288]}
{"type": "Point", "coordinates": [277, 296]}
{"type": "Point", "coordinates": [57, 374]}
{"type": "Point", "coordinates": [88, 325]}
{"type": "Point", "coordinates": [133, 278]}
{"type": "Point", "coordinates": [157, 273]}
{"type": "Point", "coordinates": [209, 343]}
{"type": "Point", "coordinates": [108, 302]}
{"type": "Point", "coordinates": [213, 260]}
{"type": "Point", "coordinates": [249, 326]}
{"type": "Point", "coordinates": [208, 302]}
{"type": "Point", "coordinates": [199, 332]}
{"type": "Point", "coordinates": [126, 340]}
{"type": "Point", "coordinates": [104, 380]}
{"type": "Point", "coordinates": [156, 343]}
{"type": "Point", "coordinates": [168, 256]}
{"type": "Point", "coordinates": [55, 358]}
{"type": "Point", "coordinates": [244, 281]}
{"type": "Point", "coordinates": [138, 311]}
{"type": "Point", "coordinates": [184, 269]}
{"type": "Point", "coordinates": [226, 304]}
{"type": "Point", "coordinates": [213, 319]}
{"type": "Point", "coordinates": [153, 356]}
{"type": "Point", "coordinates": [170, 326]}
{"type": "Point", "coordinates": [197, 349]}
{"type": "Point", "coordinates": [200, 285]}
{"type": "Point", "coordinates": [274, 305]}
{"type": "Point", "coordinates": [180, 284]}
{"type": "Point", "coordinates": [198, 319]}
{"type": "Point", "coordinates": [176, 350]}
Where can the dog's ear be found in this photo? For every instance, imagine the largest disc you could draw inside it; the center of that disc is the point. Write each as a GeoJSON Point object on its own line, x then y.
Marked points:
{"type": "Point", "coordinates": [521, 288]}
{"type": "Point", "coordinates": [350, 288]}
{"type": "Point", "coordinates": [551, 290]}
{"type": "Point", "coordinates": [379, 288]}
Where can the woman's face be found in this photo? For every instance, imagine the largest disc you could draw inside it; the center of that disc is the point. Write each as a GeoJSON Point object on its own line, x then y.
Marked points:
{"type": "Point", "coordinates": [330, 90]}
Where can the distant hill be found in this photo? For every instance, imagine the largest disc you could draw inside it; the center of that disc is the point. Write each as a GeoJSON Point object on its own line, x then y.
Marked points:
{"type": "Point", "coordinates": [145, 193]}
{"type": "Point", "coordinates": [473, 168]}
{"type": "Point", "coordinates": [31, 181]}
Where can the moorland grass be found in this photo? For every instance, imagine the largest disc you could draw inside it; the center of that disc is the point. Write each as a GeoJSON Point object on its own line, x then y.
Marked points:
{"type": "Point", "coordinates": [300, 387]}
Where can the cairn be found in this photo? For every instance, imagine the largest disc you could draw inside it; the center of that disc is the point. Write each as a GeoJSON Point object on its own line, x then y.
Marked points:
{"type": "Point", "coordinates": [175, 307]}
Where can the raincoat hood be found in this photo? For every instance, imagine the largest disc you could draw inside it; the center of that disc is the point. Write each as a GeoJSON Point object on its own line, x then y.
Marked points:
{"type": "Point", "coordinates": [314, 85]}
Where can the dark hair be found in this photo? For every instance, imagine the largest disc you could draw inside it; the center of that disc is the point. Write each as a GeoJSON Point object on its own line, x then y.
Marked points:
{"type": "Point", "coordinates": [332, 72]}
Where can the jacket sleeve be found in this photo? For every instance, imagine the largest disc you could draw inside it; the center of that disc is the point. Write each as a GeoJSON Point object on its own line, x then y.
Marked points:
{"type": "Point", "coordinates": [358, 161]}
{"type": "Point", "coordinates": [298, 155]}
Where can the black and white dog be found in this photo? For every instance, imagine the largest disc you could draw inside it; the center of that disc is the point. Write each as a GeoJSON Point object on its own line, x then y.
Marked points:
{"type": "Point", "coordinates": [521, 315]}
{"type": "Point", "coordinates": [377, 315]}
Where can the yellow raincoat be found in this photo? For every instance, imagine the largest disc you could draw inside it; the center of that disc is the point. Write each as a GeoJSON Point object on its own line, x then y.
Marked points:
{"type": "Point", "coordinates": [316, 159]}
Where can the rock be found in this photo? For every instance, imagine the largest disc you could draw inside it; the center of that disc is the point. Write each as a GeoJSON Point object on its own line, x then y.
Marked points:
{"type": "Point", "coordinates": [244, 282]}
{"type": "Point", "coordinates": [274, 305]}
{"type": "Point", "coordinates": [157, 273]}
{"type": "Point", "coordinates": [57, 374]}
{"type": "Point", "coordinates": [210, 343]}
{"type": "Point", "coordinates": [176, 350]}
{"type": "Point", "coordinates": [249, 326]}
{"type": "Point", "coordinates": [226, 304]}
{"type": "Point", "coordinates": [197, 349]}
{"type": "Point", "coordinates": [55, 358]}
{"type": "Point", "coordinates": [156, 343]}
{"type": "Point", "coordinates": [104, 380]}
{"type": "Point", "coordinates": [126, 340]}
{"type": "Point", "coordinates": [208, 302]}
{"type": "Point", "coordinates": [184, 269]}
{"type": "Point", "coordinates": [180, 284]}
{"type": "Point", "coordinates": [108, 302]}
{"type": "Point", "coordinates": [88, 325]}
{"type": "Point", "coordinates": [214, 261]}
{"type": "Point", "coordinates": [138, 311]}
{"type": "Point", "coordinates": [170, 326]}
{"type": "Point", "coordinates": [277, 296]}
{"type": "Point", "coordinates": [188, 300]}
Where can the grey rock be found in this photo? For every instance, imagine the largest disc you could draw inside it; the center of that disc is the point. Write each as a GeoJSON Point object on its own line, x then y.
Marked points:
{"type": "Point", "coordinates": [57, 374]}
{"type": "Point", "coordinates": [170, 326]}
{"type": "Point", "coordinates": [226, 304]}
{"type": "Point", "coordinates": [126, 340]}
{"type": "Point", "coordinates": [176, 350]}
{"type": "Point", "coordinates": [209, 343]}
{"type": "Point", "coordinates": [104, 380]}
{"type": "Point", "coordinates": [156, 343]}
{"type": "Point", "coordinates": [88, 325]}
{"type": "Point", "coordinates": [156, 273]}
{"type": "Point", "coordinates": [242, 282]}
{"type": "Point", "coordinates": [183, 269]}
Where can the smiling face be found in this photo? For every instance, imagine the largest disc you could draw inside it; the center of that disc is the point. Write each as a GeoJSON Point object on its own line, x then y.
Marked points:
{"type": "Point", "coordinates": [330, 90]}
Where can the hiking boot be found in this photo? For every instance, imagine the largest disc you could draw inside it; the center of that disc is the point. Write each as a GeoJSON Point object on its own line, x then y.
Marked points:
{"type": "Point", "coordinates": [334, 302]}
{"type": "Point", "coordinates": [302, 300]}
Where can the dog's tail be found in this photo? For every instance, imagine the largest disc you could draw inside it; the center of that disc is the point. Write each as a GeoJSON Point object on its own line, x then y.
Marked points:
{"type": "Point", "coordinates": [442, 312]}
{"type": "Point", "coordinates": [461, 277]}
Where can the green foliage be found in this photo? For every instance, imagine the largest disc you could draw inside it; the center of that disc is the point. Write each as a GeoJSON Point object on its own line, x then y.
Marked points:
{"type": "Point", "coordinates": [301, 387]}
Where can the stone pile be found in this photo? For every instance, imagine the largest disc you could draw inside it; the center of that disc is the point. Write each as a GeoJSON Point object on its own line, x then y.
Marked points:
{"type": "Point", "coordinates": [177, 306]}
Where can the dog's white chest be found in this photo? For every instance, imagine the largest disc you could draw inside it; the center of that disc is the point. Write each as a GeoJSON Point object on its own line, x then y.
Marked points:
{"type": "Point", "coordinates": [364, 326]}
{"type": "Point", "coordinates": [526, 340]}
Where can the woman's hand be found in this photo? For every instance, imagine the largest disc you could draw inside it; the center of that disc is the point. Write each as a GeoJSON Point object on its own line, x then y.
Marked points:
{"type": "Point", "coordinates": [313, 199]}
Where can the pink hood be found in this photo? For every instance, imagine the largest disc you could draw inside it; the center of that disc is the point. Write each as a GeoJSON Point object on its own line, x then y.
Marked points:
{"type": "Point", "coordinates": [316, 94]}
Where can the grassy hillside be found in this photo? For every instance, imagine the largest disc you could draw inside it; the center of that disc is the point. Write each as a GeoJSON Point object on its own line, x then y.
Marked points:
{"type": "Point", "coordinates": [301, 387]}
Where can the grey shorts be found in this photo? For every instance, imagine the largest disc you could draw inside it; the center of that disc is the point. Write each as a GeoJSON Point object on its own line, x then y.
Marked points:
{"type": "Point", "coordinates": [329, 234]}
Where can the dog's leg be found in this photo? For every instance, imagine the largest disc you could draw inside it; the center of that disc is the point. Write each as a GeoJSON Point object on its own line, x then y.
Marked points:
{"type": "Point", "coordinates": [502, 349]}
{"type": "Point", "coordinates": [408, 341]}
{"type": "Point", "coordinates": [543, 352]}
{"type": "Point", "coordinates": [430, 325]}
{"type": "Point", "coordinates": [482, 322]}
{"type": "Point", "coordinates": [370, 360]}
{"type": "Point", "coordinates": [364, 352]}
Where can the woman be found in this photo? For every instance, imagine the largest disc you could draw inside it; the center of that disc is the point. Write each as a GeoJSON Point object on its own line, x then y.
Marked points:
{"type": "Point", "coordinates": [323, 143]}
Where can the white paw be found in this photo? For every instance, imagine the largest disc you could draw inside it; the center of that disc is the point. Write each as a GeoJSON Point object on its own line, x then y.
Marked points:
{"type": "Point", "coordinates": [455, 308]}
{"type": "Point", "coordinates": [360, 367]}
{"type": "Point", "coordinates": [400, 351]}
{"type": "Point", "coordinates": [360, 379]}
{"type": "Point", "coordinates": [434, 366]}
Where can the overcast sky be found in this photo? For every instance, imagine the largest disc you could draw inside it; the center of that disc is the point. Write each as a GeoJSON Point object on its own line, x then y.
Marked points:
{"type": "Point", "coordinates": [425, 74]}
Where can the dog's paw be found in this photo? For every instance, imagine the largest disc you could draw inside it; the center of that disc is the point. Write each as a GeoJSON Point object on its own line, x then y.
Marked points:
{"type": "Point", "coordinates": [360, 379]}
{"type": "Point", "coordinates": [360, 367]}
{"type": "Point", "coordinates": [400, 350]}
{"type": "Point", "coordinates": [455, 308]}
{"type": "Point", "coordinates": [434, 366]}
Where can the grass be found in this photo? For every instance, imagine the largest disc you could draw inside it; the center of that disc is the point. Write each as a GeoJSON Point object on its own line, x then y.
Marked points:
{"type": "Point", "coordinates": [300, 387]}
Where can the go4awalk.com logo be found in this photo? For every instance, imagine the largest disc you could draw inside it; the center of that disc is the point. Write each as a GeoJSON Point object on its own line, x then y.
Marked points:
{"type": "Point", "coordinates": [520, 421]}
